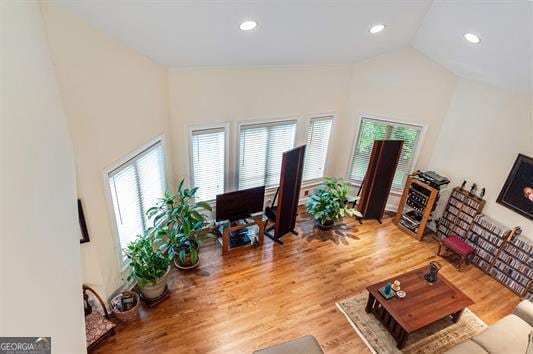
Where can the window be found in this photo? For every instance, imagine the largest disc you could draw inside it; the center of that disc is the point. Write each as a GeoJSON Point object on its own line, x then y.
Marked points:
{"type": "Point", "coordinates": [208, 161]}
{"type": "Point", "coordinates": [317, 147]}
{"type": "Point", "coordinates": [136, 186]}
{"type": "Point", "coordinates": [261, 147]}
{"type": "Point", "coordinates": [375, 129]}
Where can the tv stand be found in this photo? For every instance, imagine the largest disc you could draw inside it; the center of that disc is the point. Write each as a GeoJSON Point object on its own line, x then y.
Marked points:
{"type": "Point", "coordinates": [226, 229]}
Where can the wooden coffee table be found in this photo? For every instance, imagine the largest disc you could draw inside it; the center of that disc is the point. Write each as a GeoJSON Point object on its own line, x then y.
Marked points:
{"type": "Point", "coordinates": [424, 304]}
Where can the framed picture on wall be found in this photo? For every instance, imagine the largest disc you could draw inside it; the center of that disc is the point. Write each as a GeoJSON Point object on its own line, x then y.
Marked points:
{"type": "Point", "coordinates": [84, 235]}
{"type": "Point", "coordinates": [517, 192]}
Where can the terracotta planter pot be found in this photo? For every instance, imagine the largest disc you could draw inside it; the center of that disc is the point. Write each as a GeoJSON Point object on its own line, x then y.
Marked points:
{"type": "Point", "coordinates": [187, 264]}
{"type": "Point", "coordinates": [327, 226]}
{"type": "Point", "coordinates": [153, 291]}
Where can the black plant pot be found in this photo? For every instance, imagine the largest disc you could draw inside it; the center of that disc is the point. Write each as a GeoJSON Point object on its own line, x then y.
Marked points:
{"type": "Point", "coordinates": [327, 226]}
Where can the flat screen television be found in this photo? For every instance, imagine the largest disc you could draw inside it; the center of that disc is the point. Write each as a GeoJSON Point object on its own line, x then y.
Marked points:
{"type": "Point", "coordinates": [240, 204]}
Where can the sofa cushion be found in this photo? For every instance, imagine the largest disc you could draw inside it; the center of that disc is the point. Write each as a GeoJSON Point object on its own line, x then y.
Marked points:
{"type": "Point", "coordinates": [510, 335]}
{"type": "Point", "coordinates": [524, 310]}
{"type": "Point", "coordinates": [467, 347]}
{"type": "Point", "coordinates": [307, 345]}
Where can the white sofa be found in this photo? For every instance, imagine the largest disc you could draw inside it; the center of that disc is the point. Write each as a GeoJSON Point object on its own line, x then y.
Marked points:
{"type": "Point", "coordinates": [510, 335]}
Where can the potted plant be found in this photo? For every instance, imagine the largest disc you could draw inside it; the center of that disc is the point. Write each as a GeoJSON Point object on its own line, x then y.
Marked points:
{"type": "Point", "coordinates": [148, 266]}
{"type": "Point", "coordinates": [179, 224]}
{"type": "Point", "coordinates": [328, 203]}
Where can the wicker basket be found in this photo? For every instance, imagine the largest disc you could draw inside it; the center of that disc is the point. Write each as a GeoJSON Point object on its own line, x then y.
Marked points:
{"type": "Point", "coordinates": [130, 315]}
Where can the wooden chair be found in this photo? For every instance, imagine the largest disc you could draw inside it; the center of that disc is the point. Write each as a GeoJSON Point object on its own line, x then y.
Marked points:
{"type": "Point", "coordinates": [97, 327]}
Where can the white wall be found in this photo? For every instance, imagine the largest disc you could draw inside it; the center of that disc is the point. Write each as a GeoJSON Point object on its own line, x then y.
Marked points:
{"type": "Point", "coordinates": [116, 101]}
{"type": "Point", "coordinates": [484, 130]}
{"type": "Point", "coordinates": [405, 86]}
{"type": "Point", "coordinates": [230, 95]}
{"type": "Point", "coordinates": [40, 276]}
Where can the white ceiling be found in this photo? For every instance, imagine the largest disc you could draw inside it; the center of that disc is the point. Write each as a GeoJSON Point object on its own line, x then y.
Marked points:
{"type": "Point", "coordinates": [206, 33]}
{"type": "Point", "coordinates": [504, 55]}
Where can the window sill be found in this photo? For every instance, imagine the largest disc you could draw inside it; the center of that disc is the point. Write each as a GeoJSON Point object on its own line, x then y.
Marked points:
{"type": "Point", "coordinates": [394, 191]}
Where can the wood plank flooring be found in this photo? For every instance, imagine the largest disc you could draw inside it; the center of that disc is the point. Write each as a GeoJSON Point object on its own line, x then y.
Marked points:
{"type": "Point", "coordinates": [259, 297]}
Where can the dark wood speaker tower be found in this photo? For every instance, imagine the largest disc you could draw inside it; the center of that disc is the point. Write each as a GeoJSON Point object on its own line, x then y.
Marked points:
{"type": "Point", "coordinates": [378, 178]}
{"type": "Point", "coordinates": [284, 214]}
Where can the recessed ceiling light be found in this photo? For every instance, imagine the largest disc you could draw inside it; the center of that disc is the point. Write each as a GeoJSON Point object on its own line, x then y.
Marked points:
{"type": "Point", "coordinates": [376, 29]}
{"type": "Point", "coordinates": [472, 38]}
{"type": "Point", "coordinates": [248, 25]}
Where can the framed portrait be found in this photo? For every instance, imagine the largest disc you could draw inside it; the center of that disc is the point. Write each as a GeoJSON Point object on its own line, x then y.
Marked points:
{"type": "Point", "coordinates": [84, 235]}
{"type": "Point", "coordinates": [517, 192]}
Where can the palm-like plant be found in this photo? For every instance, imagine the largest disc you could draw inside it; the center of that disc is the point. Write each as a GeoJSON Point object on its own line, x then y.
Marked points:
{"type": "Point", "coordinates": [329, 202]}
{"type": "Point", "coordinates": [179, 225]}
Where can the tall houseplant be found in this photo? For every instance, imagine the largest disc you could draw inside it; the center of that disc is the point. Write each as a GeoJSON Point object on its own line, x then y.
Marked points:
{"type": "Point", "coordinates": [179, 224]}
{"type": "Point", "coordinates": [329, 203]}
{"type": "Point", "coordinates": [148, 266]}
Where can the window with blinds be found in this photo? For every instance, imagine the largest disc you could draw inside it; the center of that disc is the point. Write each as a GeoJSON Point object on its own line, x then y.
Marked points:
{"type": "Point", "coordinates": [261, 147]}
{"type": "Point", "coordinates": [375, 129]}
{"type": "Point", "coordinates": [136, 186]}
{"type": "Point", "coordinates": [316, 151]}
{"type": "Point", "coordinates": [208, 161]}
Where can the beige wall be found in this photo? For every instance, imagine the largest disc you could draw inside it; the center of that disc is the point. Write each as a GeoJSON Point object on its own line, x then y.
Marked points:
{"type": "Point", "coordinates": [405, 86]}
{"type": "Point", "coordinates": [40, 275]}
{"type": "Point", "coordinates": [200, 96]}
{"type": "Point", "coordinates": [116, 101]}
{"type": "Point", "coordinates": [484, 130]}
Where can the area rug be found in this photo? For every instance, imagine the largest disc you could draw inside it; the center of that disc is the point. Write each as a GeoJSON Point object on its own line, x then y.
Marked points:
{"type": "Point", "coordinates": [436, 338]}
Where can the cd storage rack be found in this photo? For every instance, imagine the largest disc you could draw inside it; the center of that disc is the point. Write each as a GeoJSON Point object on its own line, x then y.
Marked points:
{"type": "Point", "coordinates": [487, 237]}
{"type": "Point", "coordinates": [459, 213]}
{"type": "Point", "coordinates": [514, 266]}
{"type": "Point", "coordinates": [503, 254]}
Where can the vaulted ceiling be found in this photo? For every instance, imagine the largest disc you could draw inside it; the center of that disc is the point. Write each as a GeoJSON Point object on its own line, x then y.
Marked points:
{"type": "Point", "coordinates": [206, 33]}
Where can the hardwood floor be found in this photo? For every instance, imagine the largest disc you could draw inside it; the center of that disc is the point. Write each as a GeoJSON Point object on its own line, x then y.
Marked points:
{"type": "Point", "coordinates": [259, 297]}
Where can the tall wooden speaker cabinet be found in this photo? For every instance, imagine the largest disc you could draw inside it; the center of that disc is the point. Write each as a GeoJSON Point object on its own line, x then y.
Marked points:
{"type": "Point", "coordinates": [379, 177]}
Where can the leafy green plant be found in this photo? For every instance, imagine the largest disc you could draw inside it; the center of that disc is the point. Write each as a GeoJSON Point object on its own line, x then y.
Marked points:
{"type": "Point", "coordinates": [328, 203]}
{"type": "Point", "coordinates": [147, 263]}
{"type": "Point", "coordinates": [178, 223]}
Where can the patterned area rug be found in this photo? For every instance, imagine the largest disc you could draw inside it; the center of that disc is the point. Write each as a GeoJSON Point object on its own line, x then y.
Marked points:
{"type": "Point", "coordinates": [436, 338]}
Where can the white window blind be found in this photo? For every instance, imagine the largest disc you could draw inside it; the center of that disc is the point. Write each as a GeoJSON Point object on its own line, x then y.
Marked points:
{"type": "Point", "coordinates": [136, 186]}
{"type": "Point", "coordinates": [261, 147]}
{"type": "Point", "coordinates": [208, 161]}
{"type": "Point", "coordinates": [317, 147]}
{"type": "Point", "coordinates": [375, 129]}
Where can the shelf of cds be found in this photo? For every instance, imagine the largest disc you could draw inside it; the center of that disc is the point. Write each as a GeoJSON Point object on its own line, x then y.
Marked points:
{"type": "Point", "coordinates": [487, 236]}
{"type": "Point", "coordinates": [503, 254]}
{"type": "Point", "coordinates": [514, 265]}
{"type": "Point", "coordinates": [459, 213]}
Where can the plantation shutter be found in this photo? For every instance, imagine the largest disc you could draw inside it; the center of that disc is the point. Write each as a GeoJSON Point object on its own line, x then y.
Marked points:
{"type": "Point", "coordinates": [208, 162]}
{"type": "Point", "coordinates": [317, 147]}
{"type": "Point", "coordinates": [261, 148]}
{"type": "Point", "coordinates": [375, 129]}
{"type": "Point", "coordinates": [136, 186]}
